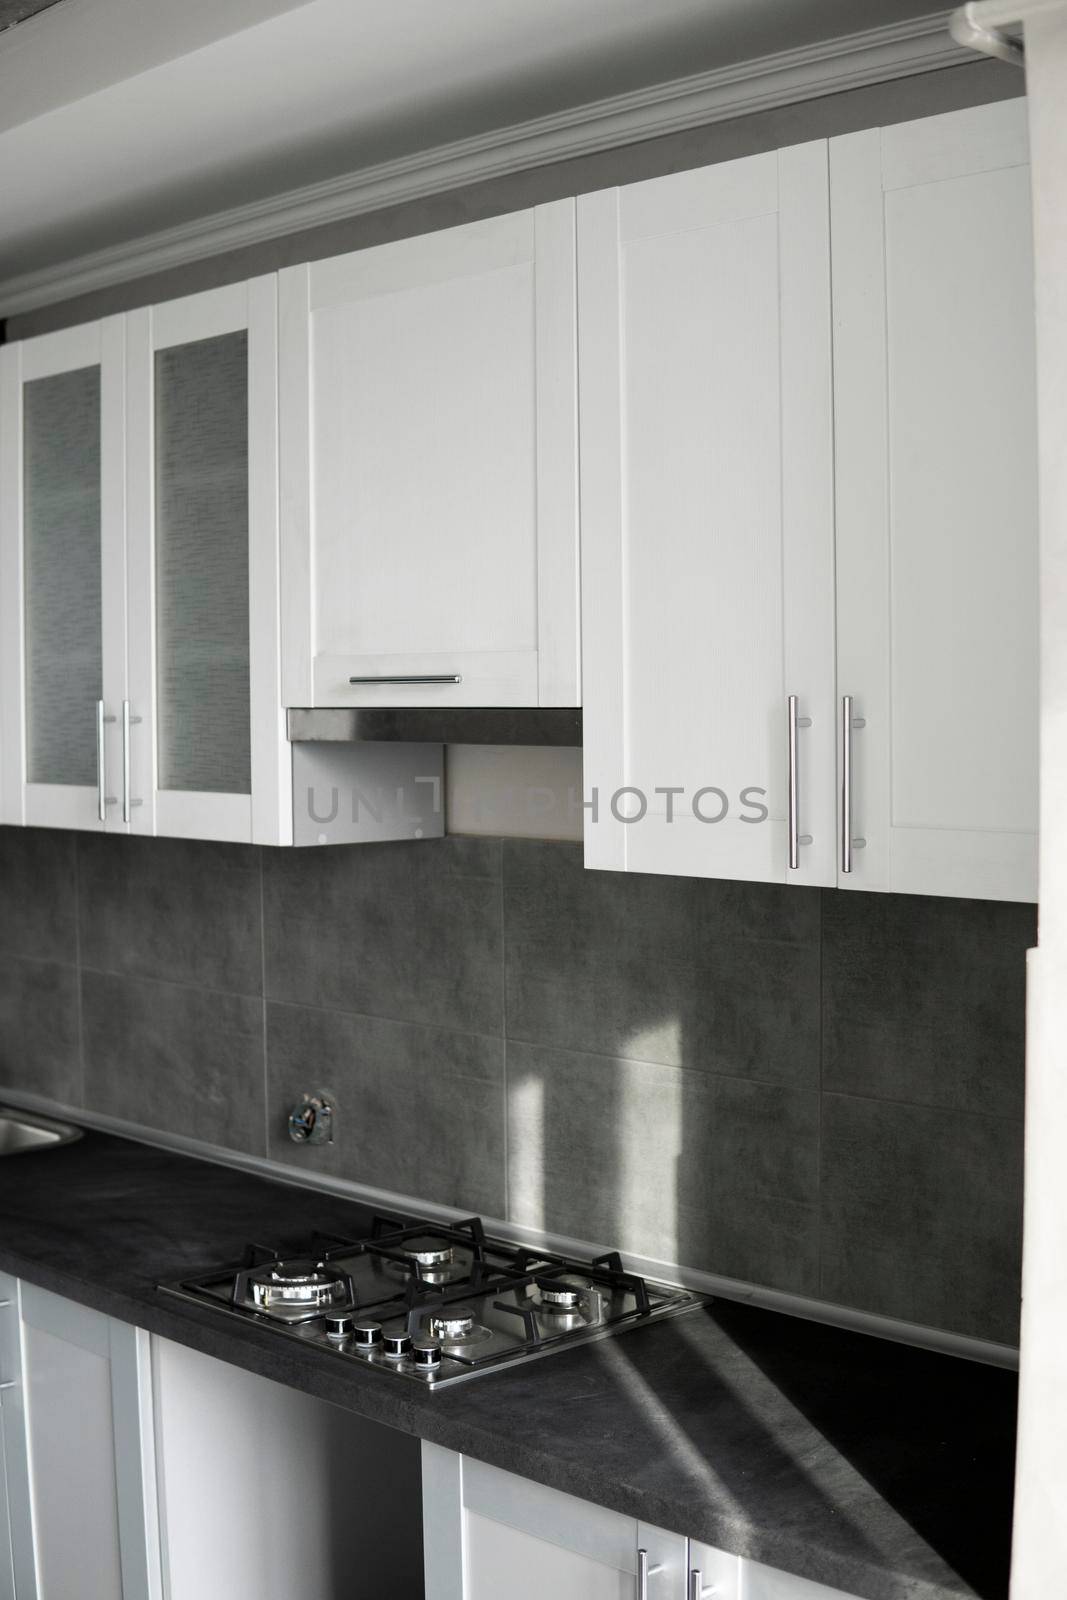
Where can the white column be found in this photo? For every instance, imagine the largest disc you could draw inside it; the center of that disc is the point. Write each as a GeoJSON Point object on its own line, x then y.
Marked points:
{"type": "Point", "coordinates": [1040, 1558]}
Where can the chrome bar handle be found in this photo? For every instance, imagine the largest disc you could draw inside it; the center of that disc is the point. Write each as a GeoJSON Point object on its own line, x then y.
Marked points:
{"type": "Point", "coordinates": [796, 838]}
{"type": "Point", "coordinates": [103, 799]}
{"type": "Point", "coordinates": [848, 843]}
{"type": "Point", "coordinates": [697, 1590]}
{"type": "Point", "coordinates": [128, 722]}
{"type": "Point", "coordinates": [101, 758]}
{"type": "Point", "coordinates": [644, 1572]}
{"type": "Point", "coordinates": [422, 677]}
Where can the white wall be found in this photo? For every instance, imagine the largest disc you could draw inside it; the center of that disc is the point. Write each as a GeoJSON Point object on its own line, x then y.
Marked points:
{"type": "Point", "coordinates": [1040, 1560]}
{"type": "Point", "coordinates": [514, 790]}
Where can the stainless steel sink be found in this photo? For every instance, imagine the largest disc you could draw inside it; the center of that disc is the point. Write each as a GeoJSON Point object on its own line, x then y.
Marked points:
{"type": "Point", "coordinates": [21, 1131]}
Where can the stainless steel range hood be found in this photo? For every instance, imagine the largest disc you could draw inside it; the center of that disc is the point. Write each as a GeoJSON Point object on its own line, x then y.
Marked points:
{"type": "Point", "coordinates": [517, 725]}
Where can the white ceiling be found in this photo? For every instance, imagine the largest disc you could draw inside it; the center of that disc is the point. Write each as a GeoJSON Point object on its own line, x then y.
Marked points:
{"type": "Point", "coordinates": [118, 117]}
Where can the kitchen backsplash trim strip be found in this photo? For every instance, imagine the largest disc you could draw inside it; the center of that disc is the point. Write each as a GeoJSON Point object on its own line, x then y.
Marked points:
{"type": "Point", "coordinates": [834, 1315]}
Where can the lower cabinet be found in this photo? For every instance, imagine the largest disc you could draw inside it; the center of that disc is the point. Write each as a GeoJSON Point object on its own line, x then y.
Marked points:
{"type": "Point", "coordinates": [7, 1569]}
{"type": "Point", "coordinates": [489, 1535]}
{"type": "Point", "coordinates": [270, 1494]}
{"type": "Point", "coordinates": [132, 1468]}
{"type": "Point", "coordinates": [77, 1452]}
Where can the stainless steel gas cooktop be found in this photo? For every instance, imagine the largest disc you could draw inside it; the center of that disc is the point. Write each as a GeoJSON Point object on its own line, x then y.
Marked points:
{"type": "Point", "coordinates": [431, 1303]}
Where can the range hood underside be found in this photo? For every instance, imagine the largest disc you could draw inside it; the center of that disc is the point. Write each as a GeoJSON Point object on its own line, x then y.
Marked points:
{"type": "Point", "coordinates": [519, 725]}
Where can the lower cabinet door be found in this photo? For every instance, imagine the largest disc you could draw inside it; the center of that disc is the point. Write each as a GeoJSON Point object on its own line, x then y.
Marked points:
{"type": "Point", "coordinates": [713, 1573]}
{"type": "Point", "coordinates": [89, 1453]}
{"type": "Point", "coordinates": [502, 1560]}
{"type": "Point", "coordinates": [270, 1494]}
{"type": "Point", "coordinates": [7, 1571]}
{"type": "Point", "coordinates": [490, 1535]}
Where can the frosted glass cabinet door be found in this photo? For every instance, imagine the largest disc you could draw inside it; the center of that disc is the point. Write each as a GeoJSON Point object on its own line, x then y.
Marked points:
{"type": "Point", "coordinates": [707, 520]}
{"type": "Point", "coordinates": [203, 722]}
{"type": "Point", "coordinates": [61, 525]}
{"type": "Point", "coordinates": [937, 501]}
{"type": "Point", "coordinates": [429, 465]}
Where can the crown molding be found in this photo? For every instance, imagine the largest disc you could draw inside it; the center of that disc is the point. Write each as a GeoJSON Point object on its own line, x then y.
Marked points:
{"type": "Point", "coordinates": [923, 44]}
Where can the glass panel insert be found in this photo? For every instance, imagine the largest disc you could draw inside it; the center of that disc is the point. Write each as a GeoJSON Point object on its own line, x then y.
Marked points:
{"type": "Point", "coordinates": [203, 699]}
{"type": "Point", "coordinates": [61, 498]}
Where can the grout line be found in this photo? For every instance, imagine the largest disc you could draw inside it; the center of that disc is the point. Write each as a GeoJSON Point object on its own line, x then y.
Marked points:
{"type": "Point", "coordinates": [169, 983]}
{"type": "Point", "coordinates": [378, 1016]}
{"type": "Point", "coordinates": [923, 1105]}
{"type": "Point", "coordinates": [17, 956]}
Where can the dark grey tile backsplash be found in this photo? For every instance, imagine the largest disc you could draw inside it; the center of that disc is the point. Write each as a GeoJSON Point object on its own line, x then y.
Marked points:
{"type": "Point", "coordinates": [816, 1091]}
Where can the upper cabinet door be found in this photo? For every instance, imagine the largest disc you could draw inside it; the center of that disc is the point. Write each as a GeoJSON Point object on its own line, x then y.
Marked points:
{"type": "Point", "coordinates": [202, 726]}
{"type": "Point", "coordinates": [62, 667]}
{"type": "Point", "coordinates": [707, 521]}
{"type": "Point", "coordinates": [936, 502]}
{"type": "Point", "coordinates": [429, 469]}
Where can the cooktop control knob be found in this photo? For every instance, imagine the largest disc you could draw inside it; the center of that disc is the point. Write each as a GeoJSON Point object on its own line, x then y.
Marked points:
{"type": "Point", "coordinates": [338, 1325]}
{"type": "Point", "coordinates": [397, 1345]}
{"type": "Point", "coordinates": [427, 1354]}
{"type": "Point", "coordinates": [367, 1335]}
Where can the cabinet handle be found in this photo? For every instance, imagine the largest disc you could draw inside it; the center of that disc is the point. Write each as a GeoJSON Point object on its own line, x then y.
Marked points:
{"type": "Point", "coordinates": [128, 722]}
{"type": "Point", "coordinates": [424, 677]}
{"type": "Point", "coordinates": [848, 843]}
{"type": "Point", "coordinates": [697, 1591]}
{"type": "Point", "coordinates": [644, 1572]}
{"type": "Point", "coordinates": [796, 838]}
{"type": "Point", "coordinates": [9, 1383]}
{"type": "Point", "coordinates": [103, 799]}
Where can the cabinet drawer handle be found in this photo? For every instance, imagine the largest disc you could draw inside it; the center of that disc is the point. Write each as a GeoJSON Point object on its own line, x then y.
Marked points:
{"type": "Point", "coordinates": [426, 677]}
{"type": "Point", "coordinates": [796, 838]}
{"type": "Point", "coordinates": [697, 1590]}
{"type": "Point", "coordinates": [848, 843]}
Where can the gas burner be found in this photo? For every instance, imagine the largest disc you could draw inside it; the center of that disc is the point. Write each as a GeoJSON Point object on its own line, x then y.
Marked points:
{"type": "Point", "coordinates": [561, 1295]}
{"type": "Point", "coordinates": [453, 1323]}
{"type": "Point", "coordinates": [295, 1289]}
{"type": "Point", "coordinates": [459, 1326]}
{"type": "Point", "coordinates": [428, 1251]}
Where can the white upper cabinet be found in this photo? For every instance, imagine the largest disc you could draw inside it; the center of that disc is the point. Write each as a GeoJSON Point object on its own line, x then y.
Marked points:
{"type": "Point", "coordinates": [707, 520]}
{"type": "Point", "coordinates": [62, 600]}
{"type": "Point", "coordinates": [140, 573]}
{"type": "Point", "coordinates": [937, 501]}
{"type": "Point", "coordinates": [208, 756]}
{"type": "Point", "coordinates": [885, 713]}
{"type": "Point", "coordinates": [429, 496]}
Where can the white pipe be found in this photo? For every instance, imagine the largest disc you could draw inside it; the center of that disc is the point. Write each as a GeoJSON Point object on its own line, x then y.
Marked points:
{"type": "Point", "coordinates": [973, 34]}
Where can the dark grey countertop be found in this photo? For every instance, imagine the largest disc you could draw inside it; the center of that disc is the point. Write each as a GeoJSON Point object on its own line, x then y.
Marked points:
{"type": "Point", "coordinates": [872, 1467]}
